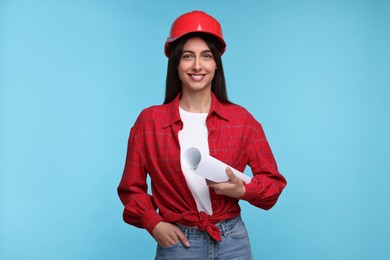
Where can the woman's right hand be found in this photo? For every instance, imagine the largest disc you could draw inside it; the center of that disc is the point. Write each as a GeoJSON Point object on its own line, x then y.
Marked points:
{"type": "Point", "coordinates": [167, 234]}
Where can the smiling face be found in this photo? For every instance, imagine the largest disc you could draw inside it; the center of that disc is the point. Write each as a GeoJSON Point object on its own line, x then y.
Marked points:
{"type": "Point", "coordinates": [197, 66]}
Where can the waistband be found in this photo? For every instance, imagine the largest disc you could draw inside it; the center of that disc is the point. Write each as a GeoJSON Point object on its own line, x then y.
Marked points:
{"type": "Point", "coordinates": [224, 227]}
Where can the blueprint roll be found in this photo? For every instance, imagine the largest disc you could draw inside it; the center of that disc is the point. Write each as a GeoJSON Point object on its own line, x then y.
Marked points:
{"type": "Point", "coordinates": [209, 167]}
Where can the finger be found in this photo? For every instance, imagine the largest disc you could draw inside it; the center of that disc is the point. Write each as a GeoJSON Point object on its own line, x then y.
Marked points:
{"type": "Point", "coordinates": [210, 183]}
{"type": "Point", "coordinates": [182, 238]}
{"type": "Point", "coordinates": [218, 192]}
{"type": "Point", "coordinates": [231, 175]}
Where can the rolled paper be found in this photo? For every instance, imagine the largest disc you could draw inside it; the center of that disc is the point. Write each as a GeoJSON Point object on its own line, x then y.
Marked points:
{"type": "Point", "coordinates": [209, 167]}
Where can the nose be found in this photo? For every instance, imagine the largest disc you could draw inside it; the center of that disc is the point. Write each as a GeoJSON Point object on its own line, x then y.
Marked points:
{"type": "Point", "coordinates": [196, 66]}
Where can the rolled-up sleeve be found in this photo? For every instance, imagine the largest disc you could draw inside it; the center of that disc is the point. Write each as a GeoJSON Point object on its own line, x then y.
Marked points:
{"type": "Point", "coordinates": [140, 209]}
{"type": "Point", "coordinates": [267, 183]}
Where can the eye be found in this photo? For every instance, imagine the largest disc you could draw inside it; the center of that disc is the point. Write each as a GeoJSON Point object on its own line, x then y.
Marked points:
{"type": "Point", "coordinates": [207, 56]}
{"type": "Point", "coordinates": [187, 56]}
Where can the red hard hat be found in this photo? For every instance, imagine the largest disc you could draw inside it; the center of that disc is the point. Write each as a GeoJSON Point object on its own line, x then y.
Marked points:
{"type": "Point", "coordinates": [195, 21]}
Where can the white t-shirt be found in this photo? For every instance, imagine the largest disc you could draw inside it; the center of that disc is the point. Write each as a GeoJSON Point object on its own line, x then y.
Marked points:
{"type": "Point", "coordinates": [195, 134]}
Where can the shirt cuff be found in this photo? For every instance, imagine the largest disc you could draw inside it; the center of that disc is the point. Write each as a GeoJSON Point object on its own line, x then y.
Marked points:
{"type": "Point", "coordinates": [150, 220]}
{"type": "Point", "coordinates": [250, 192]}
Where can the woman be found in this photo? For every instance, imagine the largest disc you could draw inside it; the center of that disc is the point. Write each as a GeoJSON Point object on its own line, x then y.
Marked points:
{"type": "Point", "coordinates": [196, 218]}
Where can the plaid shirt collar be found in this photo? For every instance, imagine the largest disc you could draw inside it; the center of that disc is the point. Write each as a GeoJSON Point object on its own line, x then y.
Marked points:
{"type": "Point", "coordinates": [173, 116]}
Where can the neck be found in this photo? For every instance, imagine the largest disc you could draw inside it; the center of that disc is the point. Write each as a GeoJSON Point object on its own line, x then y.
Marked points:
{"type": "Point", "coordinates": [196, 102]}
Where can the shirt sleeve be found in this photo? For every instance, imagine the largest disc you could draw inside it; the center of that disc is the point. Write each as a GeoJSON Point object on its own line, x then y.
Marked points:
{"type": "Point", "coordinates": [140, 209]}
{"type": "Point", "coordinates": [267, 183]}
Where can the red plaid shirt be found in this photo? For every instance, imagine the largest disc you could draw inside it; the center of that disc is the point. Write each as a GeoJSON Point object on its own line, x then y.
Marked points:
{"type": "Point", "coordinates": [235, 138]}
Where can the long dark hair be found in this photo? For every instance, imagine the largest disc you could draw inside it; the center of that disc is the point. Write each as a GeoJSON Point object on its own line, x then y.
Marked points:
{"type": "Point", "coordinates": [173, 83]}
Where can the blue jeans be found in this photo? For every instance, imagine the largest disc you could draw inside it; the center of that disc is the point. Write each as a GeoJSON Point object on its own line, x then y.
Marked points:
{"type": "Point", "coordinates": [234, 245]}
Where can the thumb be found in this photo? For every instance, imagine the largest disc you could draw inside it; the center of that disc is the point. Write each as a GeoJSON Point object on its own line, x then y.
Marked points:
{"type": "Point", "coordinates": [182, 238]}
{"type": "Point", "coordinates": [231, 175]}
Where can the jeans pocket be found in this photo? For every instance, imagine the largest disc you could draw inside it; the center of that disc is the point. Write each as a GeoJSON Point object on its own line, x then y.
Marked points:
{"type": "Point", "coordinates": [169, 252]}
{"type": "Point", "coordinates": [238, 231]}
{"type": "Point", "coordinates": [176, 244]}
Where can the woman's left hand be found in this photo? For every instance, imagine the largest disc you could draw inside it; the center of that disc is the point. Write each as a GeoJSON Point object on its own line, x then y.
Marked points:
{"type": "Point", "coordinates": [233, 188]}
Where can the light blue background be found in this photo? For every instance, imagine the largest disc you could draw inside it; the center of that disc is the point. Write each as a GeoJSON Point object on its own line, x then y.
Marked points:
{"type": "Point", "coordinates": [75, 74]}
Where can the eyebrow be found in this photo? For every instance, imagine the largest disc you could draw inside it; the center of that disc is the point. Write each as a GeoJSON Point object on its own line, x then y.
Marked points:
{"type": "Point", "coordinates": [194, 52]}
